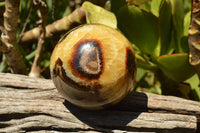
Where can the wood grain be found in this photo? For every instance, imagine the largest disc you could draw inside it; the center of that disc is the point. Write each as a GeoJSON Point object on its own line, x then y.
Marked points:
{"type": "Point", "coordinates": [34, 105]}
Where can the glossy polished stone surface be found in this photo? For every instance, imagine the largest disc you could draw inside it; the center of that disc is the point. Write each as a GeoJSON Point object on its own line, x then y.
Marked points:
{"type": "Point", "coordinates": [93, 66]}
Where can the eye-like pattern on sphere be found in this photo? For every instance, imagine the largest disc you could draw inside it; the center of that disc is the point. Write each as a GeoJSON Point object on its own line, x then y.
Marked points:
{"type": "Point", "coordinates": [93, 66]}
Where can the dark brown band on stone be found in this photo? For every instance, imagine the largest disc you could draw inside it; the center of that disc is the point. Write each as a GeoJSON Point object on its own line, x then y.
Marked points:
{"type": "Point", "coordinates": [130, 63]}
{"type": "Point", "coordinates": [87, 59]}
{"type": "Point", "coordinates": [60, 72]}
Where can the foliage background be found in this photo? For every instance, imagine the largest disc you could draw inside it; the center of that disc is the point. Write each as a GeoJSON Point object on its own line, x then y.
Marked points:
{"type": "Point", "coordinates": [157, 29]}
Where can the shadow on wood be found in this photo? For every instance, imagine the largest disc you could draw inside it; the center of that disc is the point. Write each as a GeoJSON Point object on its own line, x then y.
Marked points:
{"type": "Point", "coordinates": [111, 117]}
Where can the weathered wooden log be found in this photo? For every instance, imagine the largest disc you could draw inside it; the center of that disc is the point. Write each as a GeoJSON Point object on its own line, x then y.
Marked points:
{"type": "Point", "coordinates": [34, 105]}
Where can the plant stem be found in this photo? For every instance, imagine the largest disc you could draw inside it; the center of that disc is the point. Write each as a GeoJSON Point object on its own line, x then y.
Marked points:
{"type": "Point", "coordinates": [9, 43]}
{"type": "Point", "coordinates": [146, 65]}
{"type": "Point", "coordinates": [35, 69]}
{"type": "Point", "coordinates": [55, 28]}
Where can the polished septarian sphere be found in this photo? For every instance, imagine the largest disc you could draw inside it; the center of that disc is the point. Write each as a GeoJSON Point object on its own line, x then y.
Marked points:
{"type": "Point", "coordinates": [93, 66]}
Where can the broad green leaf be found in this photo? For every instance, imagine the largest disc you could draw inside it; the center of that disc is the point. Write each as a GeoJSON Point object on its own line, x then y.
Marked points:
{"type": "Point", "coordinates": [116, 5]}
{"type": "Point", "coordinates": [98, 15]}
{"type": "Point", "coordinates": [184, 90]}
{"type": "Point", "coordinates": [178, 17]}
{"type": "Point", "coordinates": [194, 83]}
{"type": "Point", "coordinates": [165, 26]}
{"type": "Point", "coordinates": [184, 44]}
{"type": "Point", "coordinates": [155, 7]}
{"type": "Point", "coordinates": [186, 23]}
{"type": "Point", "coordinates": [146, 6]}
{"type": "Point", "coordinates": [136, 2]}
{"type": "Point", "coordinates": [176, 66]}
{"type": "Point", "coordinates": [171, 44]}
{"type": "Point", "coordinates": [187, 6]}
{"type": "Point", "coordinates": [140, 74]}
{"type": "Point", "coordinates": [141, 28]}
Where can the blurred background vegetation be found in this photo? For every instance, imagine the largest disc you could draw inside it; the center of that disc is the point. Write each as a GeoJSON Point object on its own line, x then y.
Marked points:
{"type": "Point", "coordinates": [157, 29]}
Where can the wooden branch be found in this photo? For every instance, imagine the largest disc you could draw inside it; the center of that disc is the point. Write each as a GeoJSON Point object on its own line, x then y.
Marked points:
{"type": "Point", "coordinates": [33, 105]}
{"type": "Point", "coordinates": [55, 28]}
{"type": "Point", "coordinates": [194, 36]}
{"type": "Point", "coordinates": [35, 69]}
{"type": "Point", "coordinates": [9, 42]}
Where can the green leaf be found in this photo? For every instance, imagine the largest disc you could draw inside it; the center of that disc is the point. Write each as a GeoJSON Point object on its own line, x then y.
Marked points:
{"type": "Point", "coordinates": [2, 4]}
{"type": "Point", "coordinates": [165, 26]}
{"type": "Point", "coordinates": [50, 4]}
{"type": "Point", "coordinates": [194, 83]}
{"type": "Point", "coordinates": [116, 5]}
{"type": "Point", "coordinates": [140, 74]}
{"type": "Point", "coordinates": [98, 15]}
{"type": "Point", "coordinates": [145, 64]}
{"type": "Point", "coordinates": [136, 2]}
{"type": "Point", "coordinates": [3, 64]}
{"type": "Point", "coordinates": [171, 44]}
{"type": "Point", "coordinates": [146, 6]}
{"type": "Point", "coordinates": [187, 23]}
{"type": "Point", "coordinates": [155, 7]}
{"type": "Point", "coordinates": [184, 44]}
{"type": "Point", "coordinates": [178, 17]}
{"type": "Point", "coordinates": [184, 90]}
{"type": "Point", "coordinates": [176, 66]}
{"type": "Point", "coordinates": [187, 6]}
{"type": "Point", "coordinates": [141, 28]}
{"type": "Point", "coordinates": [31, 55]}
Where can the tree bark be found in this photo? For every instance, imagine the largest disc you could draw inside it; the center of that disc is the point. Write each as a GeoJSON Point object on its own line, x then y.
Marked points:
{"type": "Point", "coordinates": [9, 42]}
{"type": "Point", "coordinates": [34, 105]}
{"type": "Point", "coordinates": [194, 36]}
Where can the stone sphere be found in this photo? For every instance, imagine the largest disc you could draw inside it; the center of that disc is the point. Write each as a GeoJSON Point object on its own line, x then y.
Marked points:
{"type": "Point", "coordinates": [93, 66]}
